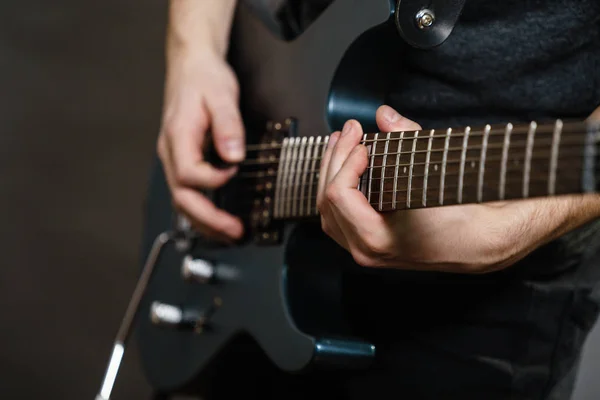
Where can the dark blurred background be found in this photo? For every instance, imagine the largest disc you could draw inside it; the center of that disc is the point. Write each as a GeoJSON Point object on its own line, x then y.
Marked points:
{"type": "Point", "coordinates": [80, 101]}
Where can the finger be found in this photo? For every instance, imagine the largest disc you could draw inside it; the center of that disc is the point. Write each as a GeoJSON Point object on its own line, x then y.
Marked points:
{"type": "Point", "coordinates": [595, 115]}
{"type": "Point", "coordinates": [205, 231]}
{"type": "Point", "coordinates": [189, 170]}
{"type": "Point", "coordinates": [389, 120]}
{"type": "Point", "coordinates": [355, 165]}
{"type": "Point", "coordinates": [196, 207]}
{"type": "Point", "coordinates": [333, 138]}
{"type": "Point", "coordinates": [348, 203]}
{"type": "Point", "coordinates": [331, 227]}
{"type": "Point", "coordinates": [349, 139]}
{"type": "Point", "coordinates": [184, 138]}
{"type": "Point", "coordinates": [205, 215]}
{"type": "Point", "coordinates": [226, 127]}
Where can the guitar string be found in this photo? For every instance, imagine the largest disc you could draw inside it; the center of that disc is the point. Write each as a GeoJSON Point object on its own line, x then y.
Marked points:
{"type": "Point", "coordinates": [513, 145]}
{"type": "Point", "coordinates": [450, 196]}
{"type": "Point", "coordinates": [455, 133]}
{"type": "Point", "coordinates": [536, 155]}
{"type": "Point", "coordinates": [490, 185]}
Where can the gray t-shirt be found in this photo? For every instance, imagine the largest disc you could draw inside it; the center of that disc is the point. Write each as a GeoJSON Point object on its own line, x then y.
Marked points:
{"type": "Point", "coordinates": [505, 61]}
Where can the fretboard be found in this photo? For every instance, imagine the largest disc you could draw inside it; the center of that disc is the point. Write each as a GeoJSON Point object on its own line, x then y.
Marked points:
{"type": "Point", "coordinates": [433, 168]}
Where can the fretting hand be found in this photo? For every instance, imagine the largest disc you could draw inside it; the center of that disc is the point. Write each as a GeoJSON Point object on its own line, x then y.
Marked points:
{"type": "Point", "coordinates": [475, 238]}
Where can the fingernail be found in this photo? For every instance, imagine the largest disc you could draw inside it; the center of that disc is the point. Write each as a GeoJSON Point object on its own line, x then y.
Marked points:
{"type": "Point", "coordinates": [391, 115]}
{"type": "Point", "coordinates": [235, 149]}
{"type": "Point", "coordinates": [347, 128]}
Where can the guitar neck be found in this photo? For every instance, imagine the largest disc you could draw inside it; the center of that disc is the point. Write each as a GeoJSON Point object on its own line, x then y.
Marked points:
{"type": "Point", "coordinates": [435, 168]}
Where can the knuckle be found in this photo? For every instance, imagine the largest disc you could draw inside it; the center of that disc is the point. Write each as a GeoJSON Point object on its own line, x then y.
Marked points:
{"type": "Point", "coordinates": [175, 126]}
{"type": "Point", "coordinates": [170, 128]}
{"type": "Point", "coordinates": [325, 226]}
{"type": "Point", "coordinates": [374, 247]}
{"type": "Point", "coordinates": [230, 84]}
{"type": "Point", "coordinates": [320, 204]}
{"type": "Point", "coordinates": [183, 175]}
{"type": "Point", "coordinates": [362, 259]}
{"type": "Point", "coordinates": [371, 252]}
{"type": "Point", "coordinates": [178, 200]}
{"type": "Point", "coordinates": [332, 193]}
{"type": "Point", "coordinates": [161, 147]}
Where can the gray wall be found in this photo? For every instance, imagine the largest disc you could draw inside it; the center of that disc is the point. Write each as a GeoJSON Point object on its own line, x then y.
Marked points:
{"type": "Point", "coordinates": [80, 99]}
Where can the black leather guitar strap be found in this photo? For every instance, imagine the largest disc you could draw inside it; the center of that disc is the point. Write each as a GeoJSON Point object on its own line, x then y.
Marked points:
{"type": "Point", "coordinates": [427, 23]}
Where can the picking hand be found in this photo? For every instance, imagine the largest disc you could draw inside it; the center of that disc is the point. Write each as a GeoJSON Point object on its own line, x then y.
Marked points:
{"type": "Point", "coordinates": [201, 94]}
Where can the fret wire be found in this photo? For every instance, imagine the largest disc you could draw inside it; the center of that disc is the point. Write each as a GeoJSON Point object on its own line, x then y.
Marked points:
{"type": "Point", "coordinates": [384, 162]}
{"type": "Point", "coordinates": [463, 155]}
{"type": "Point", "coordinates": [374, 149]}
{"type": "Point", "coordinates": [484, 145]}
{"type": "Point", "coordinates": [300, 174]}
{"type": "Point", "coordinates": [325, 142]}
{"type": "Point", "coordinates": [410, 168]}
{"type": "Point", "coordinates": [502, 183]}
{"type": "Point", "coordinates": [427, 159]}
{"type": "Point", "coordinates": [278, 185]}
{"type": "Point", "coordinates": [554, 159]}
{"type": "Point", "coordinates": [286, 174]}
{"type": "Point", "coordinates": [311, 178]}
{"type": "Point", "coordinates": [399, 151]}
{"type": "Point", "coordinates": [528, 155]}
{"type": "Point", "coordinates": [303, 164]}
{"type": "Point", "coordinates": [363, 179]}
{"type": "Point", "coordinates": [307, 165]}
{"type": "Point", "coordinates": [290, 187]}
{"type": "Point", "coordinates": [444, 160]}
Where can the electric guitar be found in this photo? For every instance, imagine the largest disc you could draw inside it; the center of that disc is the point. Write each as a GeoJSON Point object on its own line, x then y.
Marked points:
{"type": "Point", "coordinates": [283, 284]}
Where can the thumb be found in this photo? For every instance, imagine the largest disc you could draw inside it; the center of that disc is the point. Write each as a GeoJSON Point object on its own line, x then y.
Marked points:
{"type": "Point", "coordinates": [595, 115]}
{"type": "Point", "coordinates": [227, 127]}
{"type": "Point", "coordinates": [389, 120]}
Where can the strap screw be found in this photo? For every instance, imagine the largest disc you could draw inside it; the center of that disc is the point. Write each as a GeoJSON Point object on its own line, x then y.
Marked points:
{"type": "Point", "coordinates": [425, 18]}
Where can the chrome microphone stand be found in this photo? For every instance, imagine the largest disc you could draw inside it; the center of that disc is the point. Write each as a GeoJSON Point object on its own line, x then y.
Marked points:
{"type": "Point", "coordinates": [130, 314]}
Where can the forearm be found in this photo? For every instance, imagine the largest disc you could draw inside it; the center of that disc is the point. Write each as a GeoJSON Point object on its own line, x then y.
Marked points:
{"type": "Point", "coordinates": [536, 222]}
{"type": "Point", "coordinates": [196, 26]}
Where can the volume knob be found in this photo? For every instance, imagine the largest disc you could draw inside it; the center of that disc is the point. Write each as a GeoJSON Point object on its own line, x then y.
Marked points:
{"type": "Point", "coordinates": [200, 270]}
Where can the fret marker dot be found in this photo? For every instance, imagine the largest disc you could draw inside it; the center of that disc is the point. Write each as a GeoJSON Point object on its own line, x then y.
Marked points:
{"type": "Point", "coordinates": [404, 169]}
{"type": "Point", "coordinates": [435, 167]}
{"type": "Point", "coordinates": [472, 164]}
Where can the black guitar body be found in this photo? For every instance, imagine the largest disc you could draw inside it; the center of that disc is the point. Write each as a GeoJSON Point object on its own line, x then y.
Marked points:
{"type": "Point", "coordinates": [284, 285]}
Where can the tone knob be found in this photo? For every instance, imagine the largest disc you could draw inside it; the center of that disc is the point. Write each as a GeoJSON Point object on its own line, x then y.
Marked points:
{"type": "Point", "coordinates": [165, 314]}
{"type": "Point", "coordinates": [197, 269]}
{"type": "Point", "coordinates": [171, 316]}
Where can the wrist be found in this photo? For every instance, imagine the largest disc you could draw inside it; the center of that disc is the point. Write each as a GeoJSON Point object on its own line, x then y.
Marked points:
{"type": "Point", "coordinates": [199, 27]}
{"type": "Point", "coordinates": [540, 221]}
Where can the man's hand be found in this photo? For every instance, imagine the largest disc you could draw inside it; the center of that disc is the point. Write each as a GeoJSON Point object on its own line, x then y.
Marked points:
{"type": "Point", "coordinates": [201, 94]}
{"type": "Point", "coordinates": [474, 238]}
